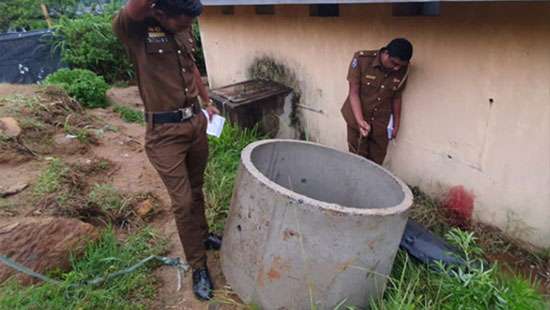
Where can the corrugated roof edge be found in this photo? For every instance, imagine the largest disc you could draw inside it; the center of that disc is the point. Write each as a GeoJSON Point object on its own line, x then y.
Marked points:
{"type": "Point", "coordinates": [272, 2]}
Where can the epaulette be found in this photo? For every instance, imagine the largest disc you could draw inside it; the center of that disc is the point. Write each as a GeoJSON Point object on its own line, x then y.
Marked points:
{"type": "Point", "coordinates": [367, 53]}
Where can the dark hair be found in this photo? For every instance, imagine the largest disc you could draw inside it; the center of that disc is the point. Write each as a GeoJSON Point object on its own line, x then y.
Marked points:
{"type": "Point", "coordinates": [400, 48]}
{"type": "Point", "coordinates": [191, 8]}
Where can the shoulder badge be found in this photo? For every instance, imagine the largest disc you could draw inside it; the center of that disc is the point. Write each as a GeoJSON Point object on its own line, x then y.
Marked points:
{"type": "Point", "coordinates": [354, 63]}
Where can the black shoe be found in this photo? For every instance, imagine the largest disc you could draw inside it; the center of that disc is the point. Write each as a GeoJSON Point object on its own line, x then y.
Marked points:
{"type": "Point", "coordinates": [213, 242]}
{"type": "Point", "coordinates": [202, 285]}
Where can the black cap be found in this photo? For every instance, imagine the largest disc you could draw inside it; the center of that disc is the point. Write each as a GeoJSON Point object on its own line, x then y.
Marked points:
{"type": "Point", "coordinates": [191, 8]}
{"type": "Point", "coordinates": [400, 48]}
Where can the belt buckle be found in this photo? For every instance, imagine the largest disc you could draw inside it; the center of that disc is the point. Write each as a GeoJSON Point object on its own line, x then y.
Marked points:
{"type": "Point", "coordinates": [186, 113]}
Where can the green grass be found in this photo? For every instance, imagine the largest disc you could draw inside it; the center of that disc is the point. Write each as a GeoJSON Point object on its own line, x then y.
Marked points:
{"type": "Point", "coordinates": [83, 135]}
{"type": "Point", "coordinates": [106, 197]}
{"type": "Point", "coordinates": [129, 115]}
{"type": "Point", "coordinates": [6, 205]}
{"type": "Point", "coordinates": [51, 179]}
{"type": "Point", "coordinates": [477, 285]}
{"type": "Point", "coordinates": [221, 171]}
{"type": "Point", "coordinates": [24, 109]}
{"type": "Point", "coordinates": [130, 291]}
{"type": "Point", "coordinates": [4, 139]}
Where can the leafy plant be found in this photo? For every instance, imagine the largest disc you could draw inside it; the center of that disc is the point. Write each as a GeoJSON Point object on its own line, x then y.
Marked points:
{"type": "Point", "coordinates": [25, 15]}
{"type": "Point", "coordinates": [199, 53]}
{"type": "Point", "coordinates": [84, 85]}
{"type": "Point", "coordinates": [88, 42]}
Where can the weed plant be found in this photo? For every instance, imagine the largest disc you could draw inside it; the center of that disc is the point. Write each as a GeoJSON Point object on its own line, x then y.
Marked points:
{"type": "Point", "coordinates": [476, 285]}
{"type": "Point", "coordinates": [221, 171]}
{"type": "Point", "coordinates": [129, 115]}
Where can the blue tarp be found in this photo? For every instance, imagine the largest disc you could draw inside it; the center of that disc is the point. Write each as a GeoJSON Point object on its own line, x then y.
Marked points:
{"type": "Point", "coordinates": [27, 57]}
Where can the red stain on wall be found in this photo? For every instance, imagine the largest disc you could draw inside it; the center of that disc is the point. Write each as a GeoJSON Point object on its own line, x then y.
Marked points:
{"type": "Point", "coordinates": [459, 204]}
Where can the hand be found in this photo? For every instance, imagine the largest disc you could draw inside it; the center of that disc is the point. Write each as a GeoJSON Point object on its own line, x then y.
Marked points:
{"type": "Point", "coordinates": [211, 109]}
{"type": "Point", "coordinates": [364, 128]}
{"type": "Point", "coordinates": [394, 132]}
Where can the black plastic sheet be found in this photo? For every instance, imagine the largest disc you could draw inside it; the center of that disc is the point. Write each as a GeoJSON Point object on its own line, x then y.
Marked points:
{"type": "Point", "coordinates": [426, 247]}
{"type": "Point", "coordinates": [27, 57]}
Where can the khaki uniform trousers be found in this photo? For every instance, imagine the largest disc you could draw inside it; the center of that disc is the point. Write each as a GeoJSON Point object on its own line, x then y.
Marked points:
{"type": "Point", "coordinates": [373, 146]}
{"type": "Point", "coordinates": [179, 153]}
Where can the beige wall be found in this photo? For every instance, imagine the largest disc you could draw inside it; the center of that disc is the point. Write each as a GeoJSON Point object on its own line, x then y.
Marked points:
{"type": "Point", "coordinates": [451, 134]}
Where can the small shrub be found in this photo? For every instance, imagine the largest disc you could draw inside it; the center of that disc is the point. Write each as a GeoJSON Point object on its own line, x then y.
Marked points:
{"type": "Point", "coordinates": [25, 15]}
{"type": "Point", "coordinates": [84, 85]}
{"type": "Point", "coordinates": [88, 42]}
{"type": "Point", "coordinates": [199, 55]}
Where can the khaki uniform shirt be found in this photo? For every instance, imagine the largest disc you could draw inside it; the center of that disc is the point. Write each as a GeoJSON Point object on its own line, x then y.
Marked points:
{"type": "Point", "coordinates": [164, 62]}
{"type": "Point", "coordinates": [378, 88]}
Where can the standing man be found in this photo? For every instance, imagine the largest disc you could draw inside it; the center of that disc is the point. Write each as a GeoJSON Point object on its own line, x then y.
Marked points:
{"type": "Point", "coordinates": [157, 36]}
{"type": "Point", "coordinates": [376, 81]}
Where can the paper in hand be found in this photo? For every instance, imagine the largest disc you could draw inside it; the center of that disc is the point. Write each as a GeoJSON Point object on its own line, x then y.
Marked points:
{"type": "Point", "coordinates": [390, 128]}
{"type": "Point", "coordinates": [215, 125]}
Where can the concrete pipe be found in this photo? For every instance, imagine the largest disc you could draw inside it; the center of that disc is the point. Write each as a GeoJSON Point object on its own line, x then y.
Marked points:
{"type": "Point", "coordinates": [311, 226]}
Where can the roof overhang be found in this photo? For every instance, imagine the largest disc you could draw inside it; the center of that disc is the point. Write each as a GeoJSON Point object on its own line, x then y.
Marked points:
{"type": "Point", "coordinates": [273, 2]}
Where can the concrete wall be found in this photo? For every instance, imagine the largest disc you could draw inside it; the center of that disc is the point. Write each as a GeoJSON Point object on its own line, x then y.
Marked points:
{"type": "Point", "coordinates": [476, 111]}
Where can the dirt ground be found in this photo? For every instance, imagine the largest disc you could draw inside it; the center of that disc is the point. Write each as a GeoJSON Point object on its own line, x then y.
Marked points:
{"type": "Point", "coordinates": [132, 172]}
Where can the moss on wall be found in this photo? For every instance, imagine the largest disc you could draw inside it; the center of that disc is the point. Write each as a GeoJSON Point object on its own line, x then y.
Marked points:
{"type": "Point", "coordinates": [268, 68]}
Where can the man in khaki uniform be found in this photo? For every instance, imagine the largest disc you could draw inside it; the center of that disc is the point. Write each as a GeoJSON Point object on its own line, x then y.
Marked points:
{"type": "Point", "coordinates": [376, 81]}
{"type": "Point", "coordinates": [157, 36]}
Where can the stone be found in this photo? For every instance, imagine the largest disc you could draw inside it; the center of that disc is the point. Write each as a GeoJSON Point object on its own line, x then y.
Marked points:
{"type": "Point", "coordinates": [43, 244]}
{"type": "Point", "coordinates": [144, 208]}
{"type": "Point", "coordinates": [9, 127]}
{"type": "Point", "coordinates": [67, 144]}
{"type": "Point", "coordinates": [12, 189]}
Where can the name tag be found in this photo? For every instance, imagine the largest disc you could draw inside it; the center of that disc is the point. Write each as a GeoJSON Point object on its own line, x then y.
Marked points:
{"type": "Point", "coordinates": [370, 77]}
{"type": "Point", "coordinates": [156, 35]}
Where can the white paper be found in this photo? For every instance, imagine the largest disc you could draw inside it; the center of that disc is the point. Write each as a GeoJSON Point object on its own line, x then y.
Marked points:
{"type": "Point", "coordinates": [390, 128]}
{"type": "Point", "coordinates": [215, 125]}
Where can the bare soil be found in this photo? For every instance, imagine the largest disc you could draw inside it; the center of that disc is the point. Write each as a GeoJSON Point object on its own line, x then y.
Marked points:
{"type": "Point", "coordinates": [122, 145]}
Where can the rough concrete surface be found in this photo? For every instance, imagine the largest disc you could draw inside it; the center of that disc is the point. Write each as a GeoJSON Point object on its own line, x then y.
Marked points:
{"type": "Point", "coordinates": [311, 225]}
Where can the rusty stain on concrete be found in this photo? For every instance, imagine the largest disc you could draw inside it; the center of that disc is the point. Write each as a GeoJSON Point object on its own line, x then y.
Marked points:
{"type": "Point", "coordinates": [371, 244]}
{"type": "Point", "coordinates": [345, 265]}
{"type": "Point", "coordinates": [288, 233]}
{"type": "Point", "coordinates": [260, 278]}
{"type": "Point", "coordinates": [277, 267]}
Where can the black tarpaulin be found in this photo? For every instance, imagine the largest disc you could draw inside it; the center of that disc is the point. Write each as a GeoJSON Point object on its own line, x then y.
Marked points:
{"type": "Point", "coordinates": [27, 57]}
